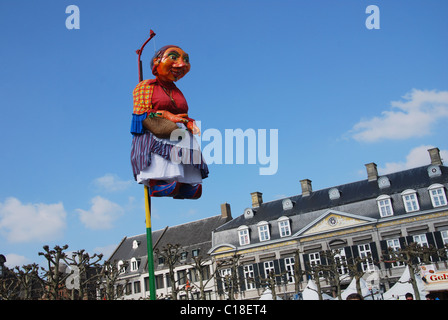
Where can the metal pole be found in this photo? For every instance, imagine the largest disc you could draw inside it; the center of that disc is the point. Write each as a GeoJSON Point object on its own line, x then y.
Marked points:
{"type": "Point", "coordinates": [152, 284]}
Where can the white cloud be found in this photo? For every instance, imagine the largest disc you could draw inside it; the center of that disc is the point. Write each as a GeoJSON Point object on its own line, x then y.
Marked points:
{"type": "Point", "coordinates": [106, 250]}
{"type": "Point", "coordinates": [13, 260]}
{"type": "Point", "coordinates": [111, 183]}
{"type": "Point", "coordinates": [101, 214]}
{"type": "Point", "coordinates": [411, 118]}
{"type": "Point", "coordinates": [417, 157]}
{"type": "Point", "coordinates": [31, 222]}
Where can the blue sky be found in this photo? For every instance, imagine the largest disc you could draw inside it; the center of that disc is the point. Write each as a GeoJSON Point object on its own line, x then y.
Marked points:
{"type": "Point", "coordinates": [339, 94]}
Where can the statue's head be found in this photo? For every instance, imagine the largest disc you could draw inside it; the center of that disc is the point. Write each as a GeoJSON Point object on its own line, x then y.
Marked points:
{"type": "Point", "coordinates": [170, 63]}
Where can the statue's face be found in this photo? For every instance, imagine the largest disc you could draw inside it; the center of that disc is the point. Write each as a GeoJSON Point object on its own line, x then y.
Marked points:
{"type": "Point", "coordinates": [173, 65]}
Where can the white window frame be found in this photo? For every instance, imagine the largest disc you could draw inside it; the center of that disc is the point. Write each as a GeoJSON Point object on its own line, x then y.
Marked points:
{"type": "Point", "coordinates": [421, 240]}
{"type": "Point", "coordinates": [364, 251]}
{"type": "Point", "coordinates": [394, 245]}
{"type": "Point", "coordinates": [268, 267]}
{"type": "Point", "coordinates": [314, 258]}
{"type": "Point", "coordinates": [284, 227]}
{"type": "Point", "coordinates": [134, 264]}
{"type": "Point", "coordinates": [289, 267]}
{"type": "Point", "coordinates": [444, 235]}
{"type": "Point", "coordinates": [385, 206]}
{"type": "Point", "coordinates": [339, 254]}
{"type": "Point", "coordinates": [243, 235]}
{"type": "Point", "coordinates": [263, 231]}
{"type": "Point", "coordinates": [437, 195]}
{"type": "Point", "coordinates": [120, 267]}
{"type": "Point", "coordinates": [410, 200]}
{"type": "Point", "coordinates": [225, 272]}
{"type": "Point", "coordinates": [249, 276]}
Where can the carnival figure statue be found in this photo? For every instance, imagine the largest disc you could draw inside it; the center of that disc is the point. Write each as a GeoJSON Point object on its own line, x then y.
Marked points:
{"type": "Point", "coordinates": [165, 156]}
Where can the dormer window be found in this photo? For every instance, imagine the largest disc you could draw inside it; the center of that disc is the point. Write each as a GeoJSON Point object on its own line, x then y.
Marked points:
{"type": "Point", "coordinates": [438, 196]}
{"type": "Point", "coordinates": [243, 235]}
{"type": "Point", "coordinates": [135, 244]}
{"type": "Point", "coordinates": [385, 206]}
{"type": "Point", "coordinates": [410, 200]}
{"type": "Point", "coordinates": [120, 267]}
{"type": "Point", "coordinates": [283, 227]}
{"type": "Point", "coordinates": [134, 264]}
{"type": "Point", "coordinates": [263, 231]}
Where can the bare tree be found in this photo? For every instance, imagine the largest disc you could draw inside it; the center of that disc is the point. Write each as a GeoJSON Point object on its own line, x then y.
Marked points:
{"type": "Point", "coordinates": [87, 269]}
{"type": "Point", "coordinates": [201, 269]}
{"type": "Point", "coordinates": [412, 256]}
{"type": "Point", "coordinates": [30, 284]}
{"type": "Point", "coordinates": [171, 255]}
{"type": "Point", "coordinates": [54, 276]}
{"type": "Point", "coordinates": [110, 273]}
{"type": "Point", "coordinates": [230, 279]}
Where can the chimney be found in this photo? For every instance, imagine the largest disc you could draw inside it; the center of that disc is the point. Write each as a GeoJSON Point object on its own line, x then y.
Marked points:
{"type": "Point", "coordinates": [257, 199]}
{"type": "Point", "coordinates": [372, 172]}
{"type": "Point", "coordinates": [306, 187]}
{"type": "Point", "coordinates": [225, 212]}
{"type": "Point", "coordinates": [434, 154]}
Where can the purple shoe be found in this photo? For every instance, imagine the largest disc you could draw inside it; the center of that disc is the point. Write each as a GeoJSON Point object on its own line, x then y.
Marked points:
{"type": "Point", "coordinates": [189, 191]}
{"type": "Point", "coordinates": [159, 188]}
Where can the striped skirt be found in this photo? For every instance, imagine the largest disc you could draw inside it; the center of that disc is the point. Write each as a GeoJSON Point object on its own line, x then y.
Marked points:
{"type": "Point", "coordinates": [165, 159]}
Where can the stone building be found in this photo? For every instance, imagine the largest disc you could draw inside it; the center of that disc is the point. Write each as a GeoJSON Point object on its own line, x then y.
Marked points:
{"type": "Point", "coordinates": [358, 219]}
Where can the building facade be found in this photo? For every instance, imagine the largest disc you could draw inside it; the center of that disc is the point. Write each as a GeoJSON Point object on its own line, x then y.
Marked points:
{"type": "Point", "coordinates": [273, 240]}
{"type": "Point", "coordinates": [189, 244]}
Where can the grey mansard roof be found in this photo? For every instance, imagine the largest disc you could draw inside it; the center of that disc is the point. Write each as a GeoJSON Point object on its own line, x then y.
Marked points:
{"type": "Point", "coordinates": [190, 236]}
{"type": "Point", "coordinates": [357, 198]}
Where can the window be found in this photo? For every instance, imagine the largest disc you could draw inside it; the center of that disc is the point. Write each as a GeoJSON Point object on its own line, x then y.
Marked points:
{"type": "Point", "coordinates": [120, 266]}
{"type": "Point", "coordinates": [394, 245]}
{"type": "Point", "coordinates": [183, 256]}
{"type": "Point", "coordinates": [284, 227]}
{"type": "Point", "coordinates": [182, 277]}
{"type": "Point", "coordinates": [158, 281]}
{"type": "Point", "coordinates": [268, 268]}
{"type": "Point", "coordinates": [289, 266]}
{"type": "Point", "coordinates": [249, 276]}
{"type": "Point", "coordinates": [444, 234]}
{"type": "Point", "coordinates": [226, 275]}
{"type": "Point", "coordinates": [385, 206]}
{"type": "Point", "coordinates": [365, 252]}
{"type": "Point", "coordinates": [195, 252]}
{"type": "Point", "coordinates": [243, 235]}
{"type": "Point", "coordinates": [134, 264]}
{"type": "Point", "coordinates": [128, 288]}
{"type": "Point", "coordinates": [341, 261]}
{"type": "Point", "coordinates": [438, 196]}
{"type": "Point", "coordinates": [263, 231]}
{"type": "Point", "coordinates": [314, 258]}
{"type": "Point", "coordinates": [137, 287]}
{"type": "Point", "coordinates": [410, 200]}
{"type": "Point", "coordinates": [422, 241]}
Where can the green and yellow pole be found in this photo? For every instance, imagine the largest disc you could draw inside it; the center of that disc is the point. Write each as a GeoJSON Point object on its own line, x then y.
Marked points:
{"type": "Point", "coordinates": [152, 282]}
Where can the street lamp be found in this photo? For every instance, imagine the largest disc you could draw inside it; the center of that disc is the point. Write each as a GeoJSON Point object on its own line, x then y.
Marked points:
{"type": "Point", "coordinates": [2, 265]}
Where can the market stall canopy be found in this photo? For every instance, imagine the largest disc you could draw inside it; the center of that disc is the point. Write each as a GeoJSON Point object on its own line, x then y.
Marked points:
{"type": "Point", "coordinates": [403, 286]}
